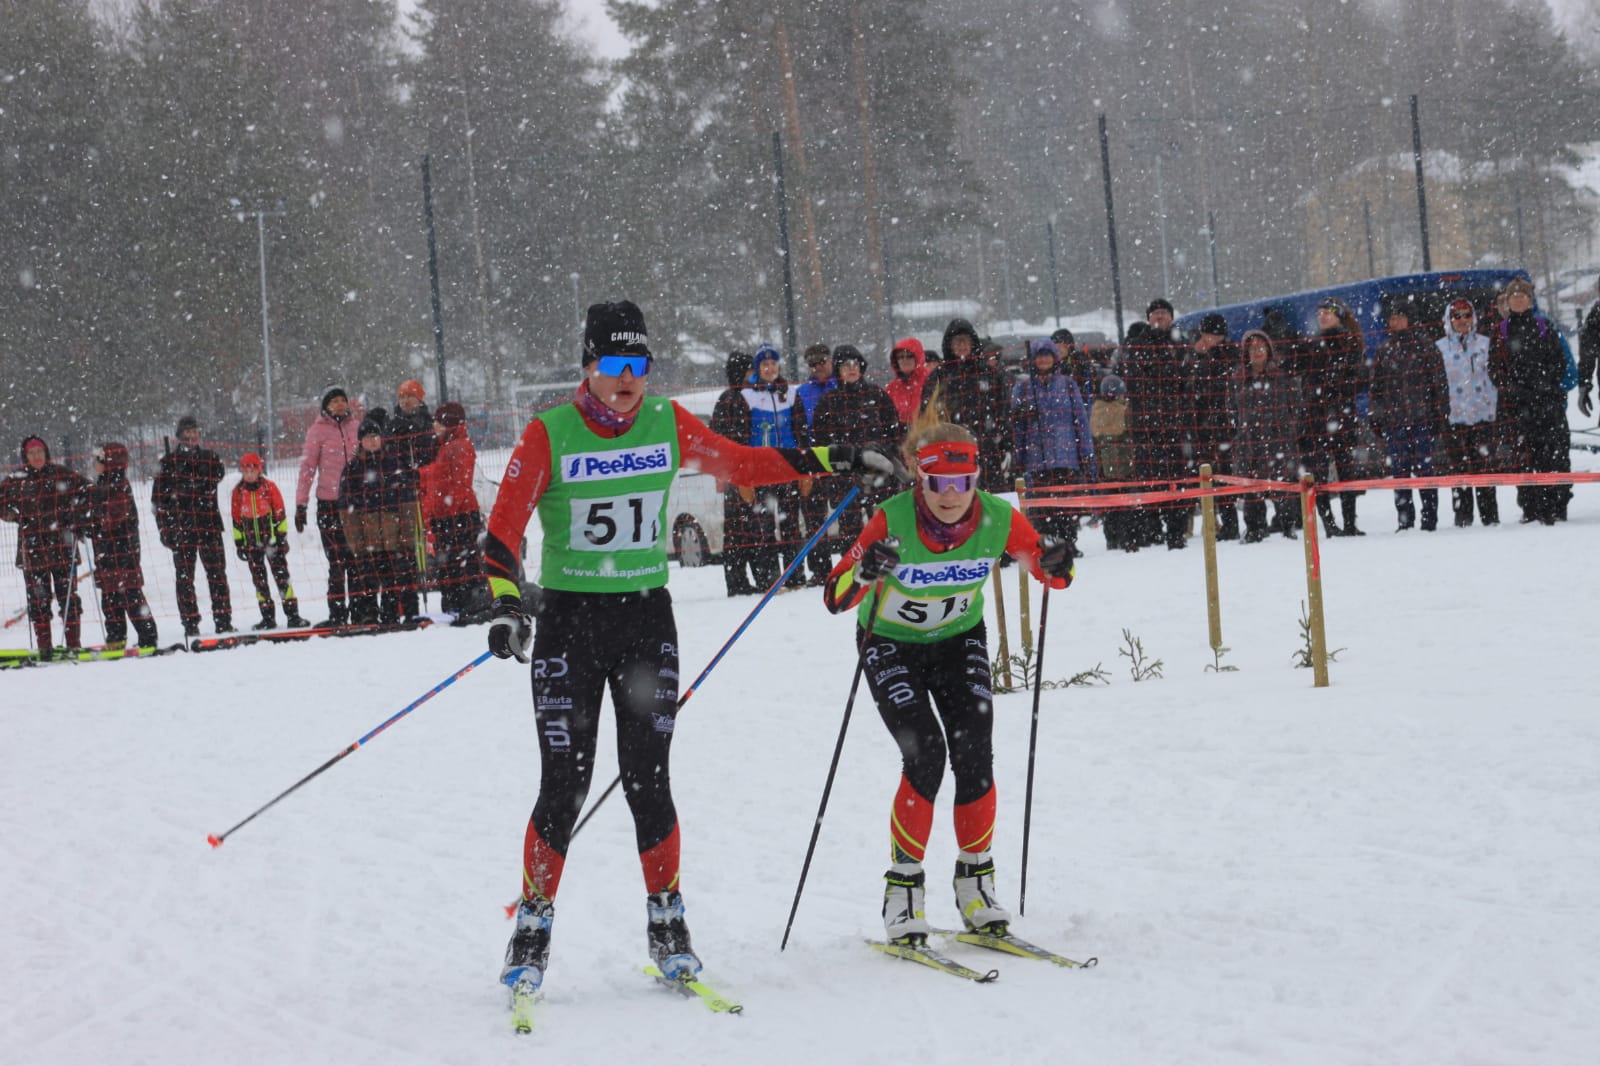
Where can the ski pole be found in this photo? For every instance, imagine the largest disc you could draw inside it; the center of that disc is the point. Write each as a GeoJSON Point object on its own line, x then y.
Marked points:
{"type": "Point", "coordinates": [216, 839]}
{"type": "Point", "coordinates": [833, 767]}
{"type": "Point", "coordinates": [683, 697]}
{"type": "Point", "coordinates": [1033, 746]}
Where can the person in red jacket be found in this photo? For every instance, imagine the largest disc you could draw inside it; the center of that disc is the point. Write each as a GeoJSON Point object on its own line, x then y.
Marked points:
{"type": "Point", "coordinates": [454, 518]}
{"type": "Point", "coordinates": [46, 501]}
{"type": "Point", "coordinates": [909, 363]}
{"type": "Point", "coordinates": [114, 527]}
{"type": "Point", "coordinates": [261, 538]}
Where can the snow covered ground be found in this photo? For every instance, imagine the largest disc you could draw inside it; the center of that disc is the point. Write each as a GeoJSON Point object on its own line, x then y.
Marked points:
{"type": "Point", "coordinates": [1400, 868]}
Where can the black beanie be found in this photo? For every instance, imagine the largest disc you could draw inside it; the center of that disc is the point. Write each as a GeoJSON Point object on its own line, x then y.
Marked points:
{"type": "Point", "coordinates": [849, 353]}
{"type": "Point", "coordinates": [373, 422]}
{"type": "Point", "coordinates": [332, 394]}
{"type": "Point", "coordinates": [612, 328]}
{"type": "Point", "coordinates": [1159, 304]}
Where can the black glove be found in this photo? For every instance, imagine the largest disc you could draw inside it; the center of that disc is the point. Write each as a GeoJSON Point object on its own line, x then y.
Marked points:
{"type": "Point", "coordinates": [1585, 405]}
{"type": "Point", "coordinates": [880, 558]}
{"type": "Point", "coordinates": [300, 519]}
{"type": "Point", "coordinates": [1055, 558]}
{"type": "Point", "coordinates": [875, 466]}
{"type": "Point", "coordinates": [511, 631]}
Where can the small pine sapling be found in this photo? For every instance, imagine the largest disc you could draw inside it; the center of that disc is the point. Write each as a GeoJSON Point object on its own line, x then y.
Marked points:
{"type": "Point", "coordinates": [1139, 665]}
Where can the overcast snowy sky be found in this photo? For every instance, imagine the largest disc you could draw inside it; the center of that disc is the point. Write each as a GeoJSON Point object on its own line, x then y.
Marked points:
{"type": "Point", "coordinates": [592, 24]}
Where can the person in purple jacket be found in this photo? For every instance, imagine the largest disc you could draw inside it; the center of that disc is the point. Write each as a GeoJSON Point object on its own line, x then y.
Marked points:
{"type": "Point", "coordinates": [331, 442]}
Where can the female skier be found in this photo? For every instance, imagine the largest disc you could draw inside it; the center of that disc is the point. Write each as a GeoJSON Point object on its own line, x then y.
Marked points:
{"type": "Point", "coordinates": [916, 577]}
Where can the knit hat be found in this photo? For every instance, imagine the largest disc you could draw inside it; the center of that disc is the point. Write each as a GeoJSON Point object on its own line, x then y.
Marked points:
{"type": "Point", "coordinates": [1063, 336]}
{"type": "Point", "coordinates": [737, 367]}
{"type": "Point", "coordinates": [450, 415]}
{"type": "Point", "coordinates": [187, 424]}
{"type": "Point", "coordinates": [849, 353]}
{"type": "Point", "coordinates": [412, 388]}
{"type": "Point", "coordinates": [1214, 324]}
{"type": "Point", "coordinates": [614, 328]}
{"type": "Point", "coordinates": [1160, 303]}
{"type": "Point", "coordinates": [250, 459]}
{"type": "Point", "coordinates": [1042, 346]}
{"type": "Point", "coordinates": [35, 442]}
{"type": "Point", "coordinates": [1517, 285]}
{"type": "Point", "coordinates": [764, 353]}
{"type": "Point", "coordinates": [1113, 387]}
{"type": "Point", "coordinates": [373, 423]}
{"type": "Point", "coordinates": [335, 393]}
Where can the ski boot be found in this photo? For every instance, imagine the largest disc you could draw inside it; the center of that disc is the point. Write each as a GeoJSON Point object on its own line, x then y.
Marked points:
{"type": "Point", "coordinates": [668, 936]}
{"type": "Point", "coordinates": [975, 895]}
{"type": "Point", "coordinates": [905, 915]}
{"type": "Point", "coordinates": [528, 954]}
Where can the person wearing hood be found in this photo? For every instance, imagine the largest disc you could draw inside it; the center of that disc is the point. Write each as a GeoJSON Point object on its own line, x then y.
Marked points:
{"type": "Point", "coordinates": [772, 406]}
{"type": "Point", "coordinates": [450, 506]}
{"type": "Point", "coordinates": [972, 394]}
{"type": "Point", "coordinates": [1471, 436]}
{"type": "Point", "coordinates": [1408, 402]}
{"type": "Point", "coordinates": [184, 494]}
{"type": "Point", "coordinates": [114, 528]}
{"type": "Point", "coordinates": [1264, 407]}
{"type": "Point", "coordinates": [1053, 441]}
{"type": "Point", "coordinates": [374, 488]}
{"type": "Point", "coordinates": [741, 529]}
{"type": "Point", "coordinates": [908, 363]}
{"type": "Point", "coordinates": [47, 501]}
{"type": "Point", "coordinates": [1535, 359]}
{"type": "Point", "coordinates": [859, 413]}
{"type": "Point", "coordinates": [331, 442]}
{"type": "Point", "coordinates": [597, 473]}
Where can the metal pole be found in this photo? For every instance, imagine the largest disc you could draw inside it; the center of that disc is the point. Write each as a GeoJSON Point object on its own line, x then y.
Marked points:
{"type": "Point", "coordinates": [1366, 218]}
{"type": "Point", "coordinates": [783, 244]}
{"type": "Point", "coordinates": [1211, 243]}
{"type": "Point", "coordinates": [1055, 284]}
{"type": "Point", "coordinates": [1522, 247]}
{"type": "Point", "coordinates": [888, 293]}
{"type": "Point", "coordinates": [1111, 227]}
{"type": "Point", "coordinates": [1161, 210]}
{"type": "Point", "coordinates": [266, 332]}
{"type": "Point", "coordinates": [433, 276]}
{"type": "Point", "coordinates": [1422, 192]}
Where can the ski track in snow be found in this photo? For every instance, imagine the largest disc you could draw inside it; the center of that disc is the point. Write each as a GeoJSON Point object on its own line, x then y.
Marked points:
{"type": "Point", "coordinates": [1397, 869]}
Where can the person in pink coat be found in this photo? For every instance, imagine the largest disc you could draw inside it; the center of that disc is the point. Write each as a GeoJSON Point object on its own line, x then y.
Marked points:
{"type": "Point", "coordinates": [909, 363]}
{"type": "Point", "coordinates": [331, 441]}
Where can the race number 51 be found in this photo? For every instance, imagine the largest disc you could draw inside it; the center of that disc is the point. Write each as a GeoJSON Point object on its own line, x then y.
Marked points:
{"type": "Point", "coordinates": [617, 523]}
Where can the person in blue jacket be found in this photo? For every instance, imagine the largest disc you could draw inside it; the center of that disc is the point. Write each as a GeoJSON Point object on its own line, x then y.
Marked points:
{"type": "Point", "coordinates": [1050, 428]}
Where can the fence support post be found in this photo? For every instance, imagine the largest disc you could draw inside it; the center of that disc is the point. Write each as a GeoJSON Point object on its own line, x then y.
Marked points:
{"type": "Point", "coordinates": [1319, 636]}
{"type": "Point", "coordinates": [1000, 617]}
{"type": "Point", "coordinates": [1208, 529]}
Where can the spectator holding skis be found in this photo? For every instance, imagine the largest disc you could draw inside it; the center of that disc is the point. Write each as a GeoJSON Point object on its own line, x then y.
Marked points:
{"type": "Point", "coordinates": [113, 525]}
{"type": "Point", "coordinates": [597, 472]}
{"type": "Point", "coordinates": [373, 490]}
{"type": "Point", "coordinates": [331, 442]}
{"type": "Point", "coordinates": [46, 500]}
{"type": "Point", "coordinates": [450, 505]}
{"type": "Point", "coordinates": [915, 579]}
{"type": "Point", "coordinates": [185, 499]}
{"type": "Point", "coordinates": [261, 539]}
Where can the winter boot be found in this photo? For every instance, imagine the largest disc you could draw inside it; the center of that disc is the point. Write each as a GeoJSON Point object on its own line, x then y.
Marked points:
{"type": "Point", "coordinates": [1488, 507]}
{"type": "Point", "coordinates": [528, 954]}
{"type": "Point", "coordinates": [146, 630]}
{"type": "Point", "coordinates": [269, 620]}
{"type": "Point", "coordinates": [975, 897]}
{"type": "Point", "coordinates": [905, 914]}
{"type": "Point", "coordinates": [1347, 504]}
{"type": "Point", "coordinates": [1461, 503]}
{"type": "Point", "coordinates": [667, 936]}
{"type": "Point", "coordinates": [1227, 521]}
{"type": "Point", "coordinates": [224, 624]}
{"type": "Point", "coordinates": [1283, 515]}
{"type": "Point", "coordinates": [292, 618]}
{"type": "Point", "coordinates": [1325, 512]}
{"type": "Point", "coordinates": [1255, 521]}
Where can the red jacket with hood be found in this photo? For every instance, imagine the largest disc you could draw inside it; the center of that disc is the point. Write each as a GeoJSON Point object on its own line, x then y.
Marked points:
{"type": "Point", "coordinates": [906, 389]}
